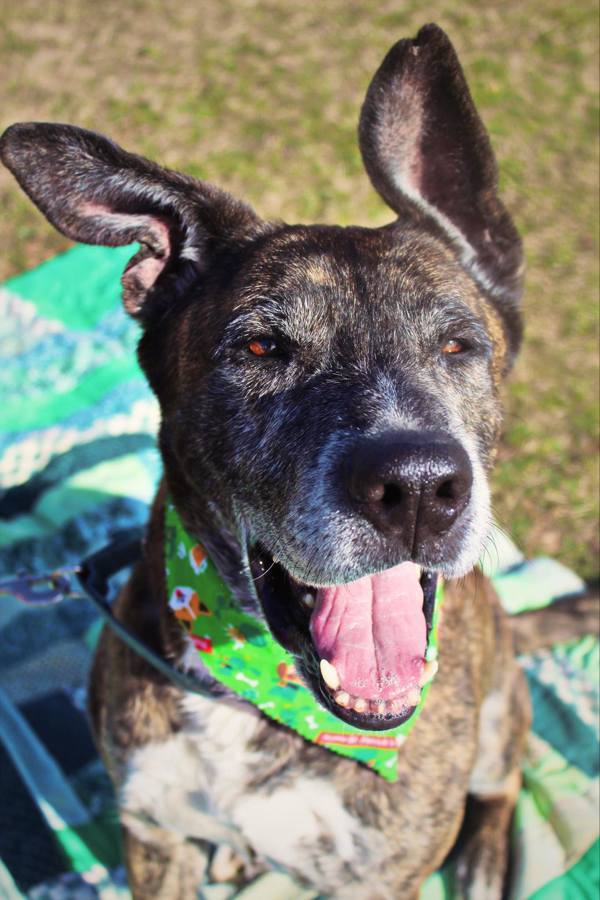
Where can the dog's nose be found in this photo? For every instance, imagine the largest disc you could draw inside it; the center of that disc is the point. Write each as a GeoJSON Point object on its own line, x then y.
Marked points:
{"type": "Point", "coordinates": [412, 483]}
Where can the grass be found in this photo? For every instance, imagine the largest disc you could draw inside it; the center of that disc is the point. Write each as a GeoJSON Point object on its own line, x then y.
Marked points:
{"type": "Point", "coordinates": [262, 97]}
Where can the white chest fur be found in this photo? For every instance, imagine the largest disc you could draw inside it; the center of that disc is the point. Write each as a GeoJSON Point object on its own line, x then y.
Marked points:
{"type": "Point", "coordinates": [197, 784]}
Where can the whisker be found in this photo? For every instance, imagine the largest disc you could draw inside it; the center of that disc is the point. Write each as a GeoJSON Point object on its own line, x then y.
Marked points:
{"type": "Point", "coordinates": [262, 574]}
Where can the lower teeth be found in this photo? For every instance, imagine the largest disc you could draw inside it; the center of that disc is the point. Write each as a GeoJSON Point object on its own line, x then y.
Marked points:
{"type": "Point", "coordinates": [342, 699]}
{"type": "Point", "coordinates": [379, 707]}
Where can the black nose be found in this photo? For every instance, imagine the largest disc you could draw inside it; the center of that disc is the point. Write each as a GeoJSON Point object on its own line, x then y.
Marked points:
{"type": "Point", "coordinates": [413, 483]}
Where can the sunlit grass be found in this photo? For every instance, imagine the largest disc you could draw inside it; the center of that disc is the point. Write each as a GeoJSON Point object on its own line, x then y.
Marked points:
{"type": "Point", "coordinates": [263, 97]}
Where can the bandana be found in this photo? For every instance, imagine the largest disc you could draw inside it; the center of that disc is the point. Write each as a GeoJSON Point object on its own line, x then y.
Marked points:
{"type": "Point", "coordinates": [240, 652]}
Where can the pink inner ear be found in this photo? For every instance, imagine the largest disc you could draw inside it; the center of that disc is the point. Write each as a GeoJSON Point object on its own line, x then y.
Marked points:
{"type": "Point", "coordinates": [147, 271]}
{"type": "Point", "coordinates": [145, 268]}
{"type": "Point", "coordinates": [153, 231]}
{"type": "Point", "coordinates": [400, 134]}
{"type": "Point", "coordinates": [138, 278]}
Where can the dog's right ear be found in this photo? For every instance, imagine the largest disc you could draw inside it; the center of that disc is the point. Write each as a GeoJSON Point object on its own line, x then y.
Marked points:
{"type": "Point", "coordinates": [95, 192]}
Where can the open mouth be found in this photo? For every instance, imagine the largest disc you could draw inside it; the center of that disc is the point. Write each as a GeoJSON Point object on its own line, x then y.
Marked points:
{"type": "Point", "coordinates": [361, 647]}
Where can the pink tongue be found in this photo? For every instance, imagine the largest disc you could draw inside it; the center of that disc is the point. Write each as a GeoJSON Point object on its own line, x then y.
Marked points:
{"type": "Point", "coordinates": [373, 631]}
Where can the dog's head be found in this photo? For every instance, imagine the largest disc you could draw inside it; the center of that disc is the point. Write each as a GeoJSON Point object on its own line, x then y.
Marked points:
{"type": "Point", "coordinates": [329, 395]}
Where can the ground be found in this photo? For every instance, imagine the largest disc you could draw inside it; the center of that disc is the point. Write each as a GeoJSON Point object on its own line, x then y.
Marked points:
{"type": "Point", "coordinates": [262, 98]}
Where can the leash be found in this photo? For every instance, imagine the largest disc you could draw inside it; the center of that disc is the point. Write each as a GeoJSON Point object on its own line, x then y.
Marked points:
{"type": "Point", "coordinates": [94, 574]}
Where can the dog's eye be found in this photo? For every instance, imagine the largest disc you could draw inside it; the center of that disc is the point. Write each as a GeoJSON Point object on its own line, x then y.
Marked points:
{"type": "Point", "coordinates": [454, 346]}
{"type": "Point", "coordinates": [263, 347]}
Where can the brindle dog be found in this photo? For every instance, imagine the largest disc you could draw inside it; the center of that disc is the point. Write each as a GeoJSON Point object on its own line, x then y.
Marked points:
{"type": "Point", "coordinates": [330, 410]}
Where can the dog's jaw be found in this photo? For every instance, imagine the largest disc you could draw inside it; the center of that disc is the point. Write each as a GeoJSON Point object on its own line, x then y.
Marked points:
{"type": "Point", "coordinates": [361, 647]}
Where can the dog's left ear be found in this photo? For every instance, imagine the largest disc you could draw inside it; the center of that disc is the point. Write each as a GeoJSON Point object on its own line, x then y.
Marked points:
{"type": "Point", "coordinates": [93, 191]}
{"type": "Point", "coordinates": [429, 156]}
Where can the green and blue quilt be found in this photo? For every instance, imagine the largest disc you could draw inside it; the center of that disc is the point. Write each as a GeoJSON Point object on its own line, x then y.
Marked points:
{"type": "Point", "coordinates": [77, 462]}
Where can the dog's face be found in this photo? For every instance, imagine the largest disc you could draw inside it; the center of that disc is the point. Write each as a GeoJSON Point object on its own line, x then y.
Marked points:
{"type": "Point", "coordinates": [329, 395]}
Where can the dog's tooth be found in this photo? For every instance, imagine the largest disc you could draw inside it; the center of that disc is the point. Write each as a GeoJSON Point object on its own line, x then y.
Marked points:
{"type": "Point", "coordinates": [413, 697]}
{"type": "Point", "coordinates": [342, 698]}
{"type": "Point", "coordinates": [330, 675]}
{"type": "Point", "coordinates": [429, 670]}
{"type": "Point", "coordinates": [396, 706]}
{"type": "Point", "coordinates": [360, 705]}
{"type": "Point", "coordinates": [419, 571]}
{"type": "Point", "coordinates": [379, 707]}
{"type": "Point", "coordinates": [308, 599]}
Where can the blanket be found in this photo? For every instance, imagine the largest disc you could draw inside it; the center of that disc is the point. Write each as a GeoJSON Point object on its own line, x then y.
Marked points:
{"type": "Point", "coordinates": [77, 462]}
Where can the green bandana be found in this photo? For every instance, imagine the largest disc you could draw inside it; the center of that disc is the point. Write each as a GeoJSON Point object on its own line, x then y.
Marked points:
{"type": "Point", "coordinates": [239, 651]}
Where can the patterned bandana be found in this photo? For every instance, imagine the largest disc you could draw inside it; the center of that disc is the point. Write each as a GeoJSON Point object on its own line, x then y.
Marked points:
{"type": "Point", "coordinates": [240, 652]}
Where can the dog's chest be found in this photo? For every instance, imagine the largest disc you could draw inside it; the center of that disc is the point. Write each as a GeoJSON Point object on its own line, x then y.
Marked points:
{"type": "Point", "coordinates": [211, 781]}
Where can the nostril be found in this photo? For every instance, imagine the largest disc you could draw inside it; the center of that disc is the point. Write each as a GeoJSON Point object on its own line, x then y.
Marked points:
{"type": "Point", "coordinates": [392, 495]}
{"type": "Point", "coordinates": [385, 494]}
{"type": "Point", "coordinates": [446, 490]}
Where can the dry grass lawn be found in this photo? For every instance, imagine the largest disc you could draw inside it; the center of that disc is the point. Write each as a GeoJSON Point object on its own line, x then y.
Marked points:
{"type": "Point", "coordinates": [262, 97]}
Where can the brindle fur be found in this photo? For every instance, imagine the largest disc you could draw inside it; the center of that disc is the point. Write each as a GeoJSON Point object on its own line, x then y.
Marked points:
{"type": "Point", "coordinates": [253, 449]}
{"type": "Point", "coordinates": [464, 748]}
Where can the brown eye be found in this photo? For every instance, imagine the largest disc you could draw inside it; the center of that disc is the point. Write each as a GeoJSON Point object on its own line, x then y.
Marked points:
{"type": "Point", "coordinates": [262, 347]}
{"type": "Point", "coordinates": [453, 346]}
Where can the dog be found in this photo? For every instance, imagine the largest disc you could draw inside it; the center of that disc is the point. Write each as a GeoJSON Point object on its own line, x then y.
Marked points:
{"type": "Point", "coordinates": [329, 417]}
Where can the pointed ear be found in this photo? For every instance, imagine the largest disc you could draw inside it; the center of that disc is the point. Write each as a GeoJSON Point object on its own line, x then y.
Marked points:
{"type": "Point", "coordinates": [429, 156]}
{"type": "Point", "coordinates": [94, 192]}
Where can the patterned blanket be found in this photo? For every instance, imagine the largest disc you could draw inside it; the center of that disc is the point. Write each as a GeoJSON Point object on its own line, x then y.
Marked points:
{"type": "Point", "coordinates": [77, 462]}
